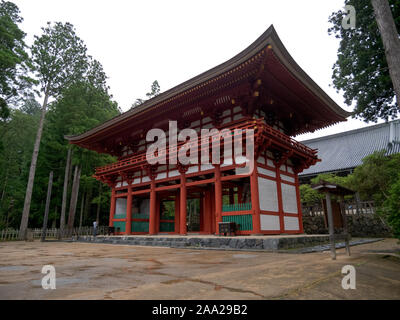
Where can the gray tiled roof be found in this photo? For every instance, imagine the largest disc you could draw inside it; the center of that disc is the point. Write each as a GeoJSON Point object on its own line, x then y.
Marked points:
{"type": "Point", "coordinates": [347, 149]}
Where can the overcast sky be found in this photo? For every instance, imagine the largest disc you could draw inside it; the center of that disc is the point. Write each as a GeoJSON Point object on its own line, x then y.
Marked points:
{"type": "Point", "coordinates": [138, 42]}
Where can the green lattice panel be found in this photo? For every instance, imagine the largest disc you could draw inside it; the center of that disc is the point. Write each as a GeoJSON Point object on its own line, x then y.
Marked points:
{"type": "Point", "coordinates": [140, 226]}
{"type": "Point", "coordinates": [236, 207]}
{"type": "Point", "coordinates": [120, 216]}
{"type": "Point", "coordinates": [167, 227]}
{"type": "Point", "coordinates": [167, 217]}
{"type": "Point", "coordinates": [140, 216]}
{"type": "Point", "coordinates": [244, 221]}
{"type": "Point", "coordinates": [120, 225]}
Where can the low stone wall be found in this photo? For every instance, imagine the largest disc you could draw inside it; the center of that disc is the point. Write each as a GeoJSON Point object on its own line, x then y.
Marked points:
{"type": "Point", "coordinates": [244, 243]}
{"type": "Point", "coordinates": [360, 225]}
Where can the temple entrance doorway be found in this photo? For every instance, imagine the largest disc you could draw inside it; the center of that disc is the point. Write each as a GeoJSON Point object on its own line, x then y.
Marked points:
{"type": "Point", "coordinates": [193, 214]}
{"type": "Point", "coordinates": [167, 214]}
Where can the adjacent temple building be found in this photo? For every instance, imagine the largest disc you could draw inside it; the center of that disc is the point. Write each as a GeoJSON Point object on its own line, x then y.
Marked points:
{"type": "Point", "coordinates": [262, 88]}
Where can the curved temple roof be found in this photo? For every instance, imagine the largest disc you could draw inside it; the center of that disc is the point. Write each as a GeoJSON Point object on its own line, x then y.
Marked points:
{"type": "Point", "coordinates": [269, 39]}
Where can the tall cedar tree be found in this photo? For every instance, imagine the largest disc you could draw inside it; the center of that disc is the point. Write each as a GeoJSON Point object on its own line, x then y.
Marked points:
{"type": "Point", "coordinates": [361, 69]}
{"type": "Point", "coordinates": [60, 59]}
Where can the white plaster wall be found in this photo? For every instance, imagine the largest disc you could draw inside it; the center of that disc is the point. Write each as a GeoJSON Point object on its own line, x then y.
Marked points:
{"type": "Point", "coordinates": [173, 173]}
{"type": "Point", "coordinates": [238, 116]}
{"type": "Point", "coordinates": [266, 172]}
{"type": "Point", "coordinates": [269, 222]}
{"type": "Point", "coordinates": [268, 195]}
{"type": "Point", "coordinates": [270, 163]}
{"type": "Point", "coordinates": [161, 176]}
{"type": "Point", "coordinates": [289, 198]}
{"type": "Point", "coordinates": [237, 109]}
{"type": "Point", "coordinates": [287, 178]}
{"type": "Point", "coordinates": [193, 169]}
{"type": "Point", "coordinates": [226, 113]}
{"type": "Point", "coordinates": [120, 206]}
{"type": "Point", "coordinates": [291, 223]}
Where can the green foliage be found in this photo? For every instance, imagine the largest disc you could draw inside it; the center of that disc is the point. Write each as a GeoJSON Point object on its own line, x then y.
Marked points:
{"type": "Point", "coordinates": [377, 179]}
{"type": "Point", "coordinates": [309, 195]}
{"type": "Point", "coordinates": [168, 208]}
{"type": "Point", "coordinates": [392, 206]}
{"type": "Point", "coordinates": [79, 108]}
{"type": "Point", "coordinates": [78, 84]}
{"type": "Point", "coordinates": [155, 91]}
{"type": "Point", "coordinates": [361, 70]}
{"type": "Point", "coordinates": [14, 60]}
{"type": "Point", "coordinates": [59, 57]}
{"type": "Point", "coordinates": [17, 136]}
{"type": "Point", "coordinates": [343, 181]}
{"type": "Point", "coordinates": [375, 176]}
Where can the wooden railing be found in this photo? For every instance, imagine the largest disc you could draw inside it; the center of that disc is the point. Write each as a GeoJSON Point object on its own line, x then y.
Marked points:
{"type": "Point", "coordinates": [260, 128]}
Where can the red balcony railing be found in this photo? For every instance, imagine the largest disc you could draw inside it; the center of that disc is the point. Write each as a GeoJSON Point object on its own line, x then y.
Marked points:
{"type": "Point", "coordinates": [259, 127]}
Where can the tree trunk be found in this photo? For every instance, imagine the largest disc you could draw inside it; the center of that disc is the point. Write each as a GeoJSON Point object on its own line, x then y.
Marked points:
{"type": "Point", "coordinates": [5, 185]}
{"type": "Point", "coordinates": [54, 225]}
{"type": "Point", "coordinates": [74, 198]}
{"type": "Point", "coordinates": [99, 205]}
{"type": "Point", "coordinates": [9, 211]}
{"type": "Point", "coordinates": [65, 192]}
{"type": "Point", "coordinates": [32, 171]}
{"type": "Point", "coordinates": [86, 212]}
{"type": "Point", "coordinates": [81, 215]}
{"type": "Point", "coordinates": [391, 41]}
{"type": "Point", "coordinates": [46, 210]}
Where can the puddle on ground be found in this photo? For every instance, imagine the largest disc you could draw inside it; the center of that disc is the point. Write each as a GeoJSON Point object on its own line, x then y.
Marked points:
{"type": "Point", "coordinates": [244, 256]}
{"type": "Point", "coordinates": [13, 268]}
{"type": "Point", "coordinates": [191, 253]}
{"type": "Point", "coordinates": [61, 281]}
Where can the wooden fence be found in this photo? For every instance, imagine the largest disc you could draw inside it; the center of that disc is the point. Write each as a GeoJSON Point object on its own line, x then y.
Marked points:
{"type": "Point", "coordinates": [53, 233]}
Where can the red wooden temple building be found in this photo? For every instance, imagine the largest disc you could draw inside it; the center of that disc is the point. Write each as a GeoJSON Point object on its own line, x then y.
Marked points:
{"type": "Point", "coordinates": [261, 88]}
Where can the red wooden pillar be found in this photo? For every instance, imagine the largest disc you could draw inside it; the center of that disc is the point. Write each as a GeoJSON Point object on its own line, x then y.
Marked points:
{"type": "Point", "coordinates": [177, 212]}
{"type": "Point", "coordinates": [299, 204]}
{"type": "Point", "coordinates": [279, 192]}
{"type": "Point", "coordinates": [201, 212]}
{"type": "Point", "coordinates": [128, 224]}
{"type": "Point", "coordinates": [182, 211]}
{"type": "Point", "coordinates": [158, 214]}
{"type": "Point", "coordinates": [212, 210]}
{"type": "Point", "coordinates": [152, 218]}
{"type": "Point", "coordinates": [207, 212]}
{"type": "Point", "coordinates": [112, 207]}
{"type": "Point", "coordinates": [218, 198]}
{"type": "Point", "coordinates": [255, 201]}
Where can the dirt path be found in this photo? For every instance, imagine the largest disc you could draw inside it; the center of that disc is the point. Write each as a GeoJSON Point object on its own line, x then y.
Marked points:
{"type": "Point", "coordinates": [100, 271]}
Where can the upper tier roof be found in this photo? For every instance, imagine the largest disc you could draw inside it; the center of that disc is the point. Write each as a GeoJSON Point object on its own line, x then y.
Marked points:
{"type": "Point", "coordinates": [326, 110]}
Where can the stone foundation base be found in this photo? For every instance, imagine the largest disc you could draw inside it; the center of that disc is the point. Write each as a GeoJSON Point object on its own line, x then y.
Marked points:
{"type": "Point", "coordinates": [266, 243]}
